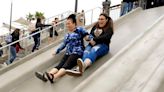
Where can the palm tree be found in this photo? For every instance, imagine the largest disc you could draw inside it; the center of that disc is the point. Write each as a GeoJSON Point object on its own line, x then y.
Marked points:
{"type": "Point", "coordinates": [30, 17]}
{"type": "Point", "coordinates": [39, 15]}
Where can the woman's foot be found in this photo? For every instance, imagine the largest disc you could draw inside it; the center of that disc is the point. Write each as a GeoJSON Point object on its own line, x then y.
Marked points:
{"type": "Point", "coordinates": [81, 65]}
{"type": "Point", "coordinates": [50, 77]}
{"type": "Point", "coordinates": [41, 76]}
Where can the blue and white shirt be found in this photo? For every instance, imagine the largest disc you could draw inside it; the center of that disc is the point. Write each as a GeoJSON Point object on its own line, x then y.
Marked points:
{"type": "Point", "coordinates": [74, 42]}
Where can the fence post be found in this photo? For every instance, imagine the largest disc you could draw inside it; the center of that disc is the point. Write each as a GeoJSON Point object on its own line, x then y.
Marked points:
{"type": "Point", "coordinates": [106, 7]}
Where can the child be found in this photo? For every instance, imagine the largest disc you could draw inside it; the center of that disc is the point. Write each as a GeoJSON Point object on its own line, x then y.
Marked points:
{"type": "Point", "coordinates": [73, 42]}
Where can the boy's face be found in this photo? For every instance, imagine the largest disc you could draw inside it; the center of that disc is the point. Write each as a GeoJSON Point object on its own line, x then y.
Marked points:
{"type": "Point", "coordinates": [70, 25]}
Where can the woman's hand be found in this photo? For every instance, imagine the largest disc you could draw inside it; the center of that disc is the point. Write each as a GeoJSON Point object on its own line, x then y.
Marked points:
{"type": "Point", "coordinates": [92, 42]}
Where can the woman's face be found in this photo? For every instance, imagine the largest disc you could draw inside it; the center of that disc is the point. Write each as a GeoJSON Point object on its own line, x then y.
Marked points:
{"type": "Point", "coordinates": [102, 21]}
{"type": "Point", "coordinates": [70, 25]}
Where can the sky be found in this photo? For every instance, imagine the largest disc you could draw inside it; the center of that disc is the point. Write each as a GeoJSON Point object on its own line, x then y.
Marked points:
{"type": "Point", "coordinates": [49, 7]}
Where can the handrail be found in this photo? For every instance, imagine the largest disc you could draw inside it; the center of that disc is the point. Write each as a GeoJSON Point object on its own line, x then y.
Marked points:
{"type": "Point", "coordinates": [93, 9]}
{"type": "Point", "coordinates": [47, 19]}
{"type": "Point", "coordinates": [28, 36]}
{"type": "Point", "coordinates": [51, 26]}
{"type": "Point", "coordinates": [92, 17]}
{"type": "Point", "coordinates": [58, 14]}
{"type": "Point", "coordinates": [117, 5]}
{"type": "Point", "coordinates": [39, 31]}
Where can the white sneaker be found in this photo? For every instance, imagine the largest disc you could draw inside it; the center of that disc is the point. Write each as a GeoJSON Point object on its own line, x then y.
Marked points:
{"type": "Point", "coordinates": [76, 69]}
{"type": "Point", "coordinates": [73, 73]}
{"type": "Point", "coordinates": [81, 65]}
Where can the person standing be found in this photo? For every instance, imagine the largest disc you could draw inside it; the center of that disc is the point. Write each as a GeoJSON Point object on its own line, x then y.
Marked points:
{"type": "Point", "coordinates": [53, 29]}
{"type": "Point", "coordinates": [38, 26]}
{"type": "Point", "coordinates": [124, 7]}
{"type": "Point", "coordinates": [15, 36]}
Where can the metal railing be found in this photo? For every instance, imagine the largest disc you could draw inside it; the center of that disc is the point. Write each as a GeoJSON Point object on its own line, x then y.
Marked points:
{"type": "Point", "coordinates": [61, 16]}
{"type": "Point", "coordinates": [115, 6]}
{"type": "Point", "coordinates": [115, 11]}
{"type": "Point", "coordinates": [26, 42]}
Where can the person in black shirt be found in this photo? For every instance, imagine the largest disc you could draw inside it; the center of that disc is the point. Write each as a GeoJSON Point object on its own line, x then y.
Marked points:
{"type": "Point", "coordinates": [15, 36]}
{"type": "Point", "coordinates": [39, 26]}
{"type": "Point", "coordinates": [98, 46]}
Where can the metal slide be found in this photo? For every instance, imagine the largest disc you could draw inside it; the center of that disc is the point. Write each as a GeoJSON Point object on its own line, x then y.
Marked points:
{"type": "Point", "coordinates": [136, 68]}
{"type": "Point", "coordinates": [127, 28]}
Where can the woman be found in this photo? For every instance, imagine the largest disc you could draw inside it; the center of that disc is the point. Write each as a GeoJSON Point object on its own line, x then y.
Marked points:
{"type": "Point", "coordinates": [38, 26]}
{"type": "Point", "coordinates": [73, 42]}
{"type": "Point", "coordinates": [98, 46]}
{"type": "Point", "coordinates": [15, 36]}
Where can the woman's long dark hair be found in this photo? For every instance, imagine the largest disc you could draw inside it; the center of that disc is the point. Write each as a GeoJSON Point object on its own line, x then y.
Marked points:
{"type": "Point", "coordinates": [16, 32]}
{"type": "Point", "coordinates": [109, 23]}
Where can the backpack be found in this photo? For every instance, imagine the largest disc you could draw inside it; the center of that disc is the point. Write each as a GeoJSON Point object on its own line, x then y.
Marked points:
{"type": "Point", "coordinates": [8, 39]}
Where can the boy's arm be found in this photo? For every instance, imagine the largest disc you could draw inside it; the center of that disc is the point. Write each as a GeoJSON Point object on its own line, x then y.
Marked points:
{"type": "Point", "coordinates": [62, 46]}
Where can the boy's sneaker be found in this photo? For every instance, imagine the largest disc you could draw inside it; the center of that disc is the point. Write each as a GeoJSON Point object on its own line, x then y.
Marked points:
{"type": "Point", "coordinates": [73, 73]}
{"type": "Point", "coordinates": [81, 65]}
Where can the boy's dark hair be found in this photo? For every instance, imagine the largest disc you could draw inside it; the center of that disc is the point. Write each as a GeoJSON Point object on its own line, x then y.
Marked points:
{"type": "Point", "coordinates": [72, 17]}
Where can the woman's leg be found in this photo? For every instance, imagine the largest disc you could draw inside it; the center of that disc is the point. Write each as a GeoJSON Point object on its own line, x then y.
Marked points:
{"type": "Point", "coordinates": [95, 52]}
{"type": "Point", "coordinates": [38, 44]}
{"type": "Point", "coordinates": [86, 51]}
{"type": "Point", "coordinates": [12, 54]}
{"type": "Point", "coordinates": [50, 35]}
{"type": "Point", "coordinates": [35, 43]}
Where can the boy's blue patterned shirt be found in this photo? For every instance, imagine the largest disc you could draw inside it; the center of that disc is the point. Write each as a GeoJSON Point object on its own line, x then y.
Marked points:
{"type": "Point", "coordinates": [74, 42]}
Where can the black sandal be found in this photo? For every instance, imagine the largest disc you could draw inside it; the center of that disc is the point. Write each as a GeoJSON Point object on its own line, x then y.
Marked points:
{"type": "Point", "coordinates": [50, 77]}
{"type": "Point", "coordinates": [41, 76]}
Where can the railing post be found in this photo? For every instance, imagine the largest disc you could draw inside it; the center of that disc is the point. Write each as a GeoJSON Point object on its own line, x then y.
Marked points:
{"type": "Point", "coordinates": [76, 5]}
{"type": "Point", "coordinates": [92, 17]}
{"type": "Point", "coordinates": [40, 38]}
{"type": "Point", "coordinates": [53, 32]}
{"type": "Point", "coordinates": [9, 48]}
{"type": "Point", "coordinates": [106, 6]}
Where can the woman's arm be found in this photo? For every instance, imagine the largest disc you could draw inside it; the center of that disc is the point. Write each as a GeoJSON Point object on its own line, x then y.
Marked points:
{"type": "Point", "coordinates": [106, 36]}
